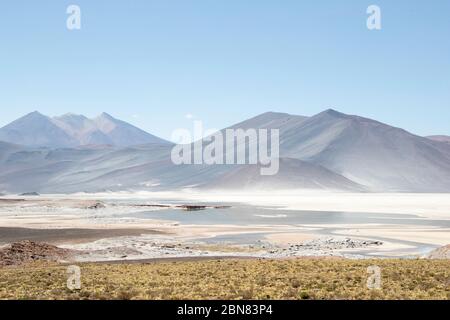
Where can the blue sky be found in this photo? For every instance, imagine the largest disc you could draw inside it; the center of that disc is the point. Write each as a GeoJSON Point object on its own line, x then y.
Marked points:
{"type": "Point", "coordinates": [153, 62]}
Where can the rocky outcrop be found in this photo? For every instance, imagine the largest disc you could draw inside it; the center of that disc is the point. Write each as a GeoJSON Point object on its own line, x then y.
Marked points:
{"type": "Point", "coordinates": [440, 253]}
{"type": "Point", "coordinates": [96, 205]}
{"type": "Point", "coordinates": [28, 251]}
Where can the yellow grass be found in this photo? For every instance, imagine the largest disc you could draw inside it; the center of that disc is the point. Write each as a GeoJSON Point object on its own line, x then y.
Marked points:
{"type": "Point", "coordinates": [233, 279]}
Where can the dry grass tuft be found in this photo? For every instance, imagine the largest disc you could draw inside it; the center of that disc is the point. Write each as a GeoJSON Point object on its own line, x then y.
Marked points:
{"type": "Point", "coordinates": [233, 279]}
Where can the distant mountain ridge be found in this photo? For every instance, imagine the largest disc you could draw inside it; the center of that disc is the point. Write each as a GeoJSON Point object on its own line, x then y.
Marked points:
{"type": "Point", "coordinates": [364, 151]}
{"type": "Point", "coordinates": [35, 129]}
{"type": "Point", "coordinates": [369, 152]}
{"type": "Point", "coordinates": [71, 130]}
{"type": "Point", "coordinates": [440, 138]}
{"type": "Point", "coordinates": [330, 151]}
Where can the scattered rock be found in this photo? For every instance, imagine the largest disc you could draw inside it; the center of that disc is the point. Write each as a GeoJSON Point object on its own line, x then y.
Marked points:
{"type": "Point", "coordinates": [192, 208]}
{"type": "Point", "coordinates": [23, 252]}
{"type": "Point", "coordinates": [338, 243]}
{"type": "Point", "coordinates": [188, 207]}
{"type": "Point", "coordinates": [440, 253]}
{"type": "Point", "coordinates": [96, 206]}
{"type": "Point", "coordinates": [316, 247]}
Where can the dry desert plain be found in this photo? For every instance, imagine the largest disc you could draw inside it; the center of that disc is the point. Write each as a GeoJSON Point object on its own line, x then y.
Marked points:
{"type": "Point", "coordinates": [288, 245]}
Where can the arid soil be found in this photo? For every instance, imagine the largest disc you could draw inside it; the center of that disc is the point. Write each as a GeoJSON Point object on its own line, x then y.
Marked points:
{"type": "Point", "coordinates": [59, 236]}
{"type": "Point", "coordinates": [24, 252]}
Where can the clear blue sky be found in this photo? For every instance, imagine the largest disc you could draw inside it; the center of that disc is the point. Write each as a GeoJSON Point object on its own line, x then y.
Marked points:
{"type": "Point", "coordinates": [152, 62]}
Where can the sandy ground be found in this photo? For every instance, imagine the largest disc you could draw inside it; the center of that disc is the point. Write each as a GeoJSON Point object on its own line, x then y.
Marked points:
{"type": "Point", "coordinates": [54, 212]}
{"type": "Point", "coordinates": [424, 235]}
{"type": "Point", "coordinates": [64, 236]}
{"type": "Point", "coordinates": [289, 238]}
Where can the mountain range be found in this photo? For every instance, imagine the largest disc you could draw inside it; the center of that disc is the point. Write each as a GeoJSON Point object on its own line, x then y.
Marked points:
{"type": "Point", "coordinates": [330, 150]}
{"type": "Point", "coordinates": [71, 130]}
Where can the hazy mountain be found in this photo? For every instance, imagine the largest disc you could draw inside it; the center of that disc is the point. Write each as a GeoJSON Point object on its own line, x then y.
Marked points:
{"type": "Point", "coordinates": [293, 174]}
{"type": "Point", "coordinates": [6, 149]}
{"type": "Point", "coordinates": [364, 151]}
{"type": "Point", "coordinates": [70, 130]}
{"type": "Point", "coordinates": [370, 153]}
{"type": "Point", "coordinates": [271, 120]}
{"type": "Point", "coordinates": [122, 133]}
{"type": "Point", "coordinates": [84, 130]}
{"type": "Point", "coordinates": [35, 129]}
{"type": "Point", "coordinates": [330, 150]}
{"type": "Point", "coordinates": [445, 139]}
{"type": "Point", "coordinates": [145, 167]}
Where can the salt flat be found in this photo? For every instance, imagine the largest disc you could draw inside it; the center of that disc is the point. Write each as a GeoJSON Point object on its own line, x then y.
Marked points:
{"type": "Point", "coordinates": [427, 205]}
{"type": "Point", "coordinates": [309, 223]}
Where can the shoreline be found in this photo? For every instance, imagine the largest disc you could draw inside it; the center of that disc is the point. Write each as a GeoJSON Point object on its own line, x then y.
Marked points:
{"type": "Point", "coordinates": [66, 236]}
{"type": "Point", "coordinates": [110, 229]}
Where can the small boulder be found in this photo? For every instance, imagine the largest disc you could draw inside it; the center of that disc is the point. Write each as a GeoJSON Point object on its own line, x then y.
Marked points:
{"type": "Point", "coordinates": [440, 253]}
{"type": "Point", "coordinates": [96, 206]}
